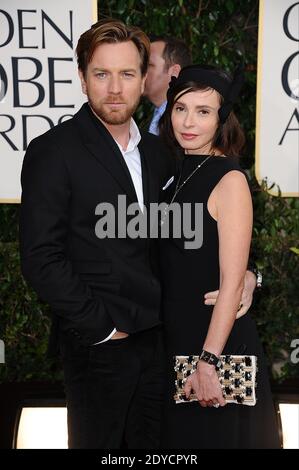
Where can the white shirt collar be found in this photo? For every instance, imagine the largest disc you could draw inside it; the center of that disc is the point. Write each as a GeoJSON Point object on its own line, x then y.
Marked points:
{"type": "Point", "coordinates": [134, 140]}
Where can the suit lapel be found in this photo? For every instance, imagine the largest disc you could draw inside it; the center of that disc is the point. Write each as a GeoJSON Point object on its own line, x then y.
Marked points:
{"type": "Point", "coordinates": [149, 178]}
{"type": "Point", "coordinates": [102, 146]}
{"type": "Point", "coordinates": [144, 170]}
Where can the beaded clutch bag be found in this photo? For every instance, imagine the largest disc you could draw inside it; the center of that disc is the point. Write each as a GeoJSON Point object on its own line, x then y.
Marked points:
{"type": "Point", "coordinates": [237, 377]}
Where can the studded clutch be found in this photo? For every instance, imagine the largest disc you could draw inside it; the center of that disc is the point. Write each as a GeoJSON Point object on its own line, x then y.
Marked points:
{"type": "Point", "coordinates": [237, 377]}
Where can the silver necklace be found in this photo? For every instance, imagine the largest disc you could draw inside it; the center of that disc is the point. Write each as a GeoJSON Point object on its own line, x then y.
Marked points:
{"type": "Point", "coordinates": [180, 186]}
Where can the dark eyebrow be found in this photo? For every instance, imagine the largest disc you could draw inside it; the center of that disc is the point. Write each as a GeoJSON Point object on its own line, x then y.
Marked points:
{"type": "Point", "coordinates": [99, 69]}
{"type": "Point", "coordinates": [128, 70]}
{"type": "Point", "coordinates": [197, 107]}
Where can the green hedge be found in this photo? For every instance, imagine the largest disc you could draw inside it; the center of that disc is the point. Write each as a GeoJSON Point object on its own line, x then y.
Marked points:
{"type": "Point", "coordinates": [222, 32]}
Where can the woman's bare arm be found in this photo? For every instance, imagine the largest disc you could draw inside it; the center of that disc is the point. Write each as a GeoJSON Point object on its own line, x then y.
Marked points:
{"type": "Point", "coordinates": [234, 220]}
{"type": "Point", "coordinates": [233, 212]}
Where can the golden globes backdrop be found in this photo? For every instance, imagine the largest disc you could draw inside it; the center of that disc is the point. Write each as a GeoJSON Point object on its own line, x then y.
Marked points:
{"type": "Point", "coordinates": [277, 127]}
{"type": "Point", "coordinates": [39, 85]}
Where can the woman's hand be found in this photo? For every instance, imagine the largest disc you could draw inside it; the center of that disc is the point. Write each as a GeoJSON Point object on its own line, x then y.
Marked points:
{"type": "Point", "coordinates": [247, 293]}
{"type": "Point", "coordinates": [119, 335]}
{"type": "Point", "coordinates": [205, 384]}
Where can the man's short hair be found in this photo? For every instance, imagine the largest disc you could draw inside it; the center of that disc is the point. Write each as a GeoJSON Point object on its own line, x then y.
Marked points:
{"type": "Point", "coordinates": [111, 31]}
{"type": "Point", "coordinates": [175, 51]}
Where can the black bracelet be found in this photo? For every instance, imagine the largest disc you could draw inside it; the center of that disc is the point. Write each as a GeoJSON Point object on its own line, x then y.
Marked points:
{"type": "Point", "coordinates": [210, 358]}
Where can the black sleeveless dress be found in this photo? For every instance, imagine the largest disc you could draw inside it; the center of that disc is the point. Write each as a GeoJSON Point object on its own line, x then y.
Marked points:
{"type": "Point", "coordinates": [187, 274]}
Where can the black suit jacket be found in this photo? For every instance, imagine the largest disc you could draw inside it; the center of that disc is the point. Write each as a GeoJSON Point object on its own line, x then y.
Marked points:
{"type": "Point", "coordinates": [92, 284]}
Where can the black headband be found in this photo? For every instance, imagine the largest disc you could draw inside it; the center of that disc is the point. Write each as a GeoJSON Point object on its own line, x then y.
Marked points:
{"type": "Point", "coordinates": [213, 78]}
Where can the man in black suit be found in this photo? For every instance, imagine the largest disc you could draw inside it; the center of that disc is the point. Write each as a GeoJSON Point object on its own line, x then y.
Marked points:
{"type": "Point", "coordinates": [104, 292]}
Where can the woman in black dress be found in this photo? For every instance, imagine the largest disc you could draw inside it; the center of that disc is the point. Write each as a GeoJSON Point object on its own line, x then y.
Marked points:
{"type": "Point", "coordinates": [200, 122]}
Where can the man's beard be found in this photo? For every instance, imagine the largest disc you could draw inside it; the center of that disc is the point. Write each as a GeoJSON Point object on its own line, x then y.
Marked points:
{"type": "Point", "coordinates": [114, 117]}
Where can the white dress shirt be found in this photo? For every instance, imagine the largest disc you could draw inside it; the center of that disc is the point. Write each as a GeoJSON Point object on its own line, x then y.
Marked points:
{"type": "Point", "coordinates": [132, 158]}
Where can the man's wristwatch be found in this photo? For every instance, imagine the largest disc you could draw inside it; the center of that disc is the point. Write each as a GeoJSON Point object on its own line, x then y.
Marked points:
{"type": "Point", "coordinates": [210, 358]}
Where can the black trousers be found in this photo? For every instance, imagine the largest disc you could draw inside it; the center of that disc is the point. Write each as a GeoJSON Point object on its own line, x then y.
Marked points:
{"type": "Point", "coordinates": [115, 391]}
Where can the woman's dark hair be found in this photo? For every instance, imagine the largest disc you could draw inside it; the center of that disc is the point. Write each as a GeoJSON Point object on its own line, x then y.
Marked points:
{"type": "Point", "coordinates": [229, 138]}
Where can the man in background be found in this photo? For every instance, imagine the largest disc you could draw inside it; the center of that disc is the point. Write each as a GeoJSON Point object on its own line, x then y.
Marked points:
{"type": "Point", "coordinates": [168, 55]}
